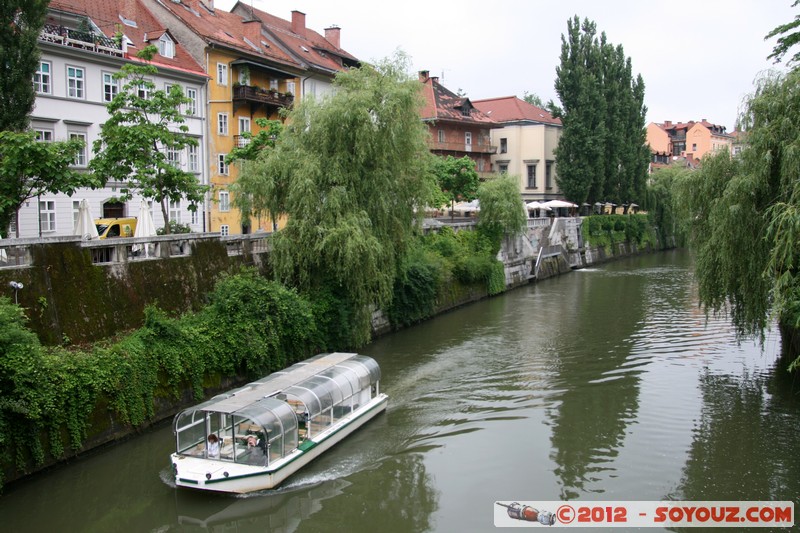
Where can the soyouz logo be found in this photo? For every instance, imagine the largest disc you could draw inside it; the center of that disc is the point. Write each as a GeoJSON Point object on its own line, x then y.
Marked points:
{"type": "Point", "coordinates": [618, 514]}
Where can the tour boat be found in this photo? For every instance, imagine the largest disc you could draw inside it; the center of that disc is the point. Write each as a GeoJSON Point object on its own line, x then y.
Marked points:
{"type": "Point", "coordinates": [254, 437]}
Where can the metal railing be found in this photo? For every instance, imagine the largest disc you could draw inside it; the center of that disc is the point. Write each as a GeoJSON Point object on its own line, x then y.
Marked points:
{"type": "Point", "coordinates": [87, 40]}
{"type": "Point", "coordinates": [263, 96]}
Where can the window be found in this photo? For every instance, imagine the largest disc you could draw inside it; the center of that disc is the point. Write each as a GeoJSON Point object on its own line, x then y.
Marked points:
{"type": "Point", "coordinates": [166, 46]}
{"type": "Point", "coordinates": [47, 215]}
{"type": "Point", "coordinates": [222, 74]}
{"type": "Point", "coordinates": [503, 146]}
{"type": "Point", "coordinates": [290, 87]}
{"type": "Point", "coordinates": [191, 105]}
{"type": "Point", "coordinates": [195, 217]}
{"type": "Point", "coordinates": [531, 176]}
{"type": "Point", "coordinates": [222, 167]}
{"type": "Point", "coordinates": [694, 147]}
{"type": "Point", "coordinates": [224, 201]}
{"type": "Point", "coordinates": [76, 210]}
{"type": "Point", "coordinates": [75, 82]}
{"type": "Point", "coordinates": [42, 82]}
{"type": "Point", "coordinates": [175, 212]}
{"type": "Point", "coordinates": [548, 175]}
{"type": "Point", "coordinates": [224, 230]}
{"type": "Point", "coordinates": [143, 90]}
{"type": "Point", "coordinates": [441, 136]}
{"type": "Point", "coordinates": [222, 123]}
{"type": "Point", "coordinates": [244, 125]}
{"type": "Point", "coordinates": [193, 158]}
{"type": "Point", "coordinates": [45, 136]}
{"type": "Point", "coordinates": [80, 160]}
{"type": "Point", "coordinates": [174, 157]}
{"type": "Point", "coordinates": [503, 168]}
{"type": "Point", "coordinates": [273, 84]}
{"type": "Point", "coordinates": [468, 139]}
{"type": "Point", "coordinates": [110, 87]}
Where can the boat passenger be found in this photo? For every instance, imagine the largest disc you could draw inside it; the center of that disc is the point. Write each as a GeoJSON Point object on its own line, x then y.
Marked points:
{"type": "Point", "coordinates": [213, 446]}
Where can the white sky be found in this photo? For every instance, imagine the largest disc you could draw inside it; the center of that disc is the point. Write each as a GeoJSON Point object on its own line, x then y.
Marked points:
{"type": "Point", "coordinates": [698, 58]}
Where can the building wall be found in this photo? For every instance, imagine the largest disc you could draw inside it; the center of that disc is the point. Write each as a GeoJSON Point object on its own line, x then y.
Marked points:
{"type": "Point", "coordinates": [223, 217]}
{"type": "Point", "coordinates": [61, 116]}
{"type": "Point", "coordinates": [528, 144]}
{"type": "Point", "coordinates": [454, 143]}
{"type": "Point", "coordinates": [700, 141]}
{"type": "Point", "coordinates": [657, 138]}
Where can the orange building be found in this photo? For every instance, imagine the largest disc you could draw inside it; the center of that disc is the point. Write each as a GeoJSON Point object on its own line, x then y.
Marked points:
{"type": "Point", "coordinates": [688, 140]}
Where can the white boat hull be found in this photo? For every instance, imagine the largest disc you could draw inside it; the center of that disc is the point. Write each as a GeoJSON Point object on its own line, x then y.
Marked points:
{"type": "Point", "coordinates": [223, 476]}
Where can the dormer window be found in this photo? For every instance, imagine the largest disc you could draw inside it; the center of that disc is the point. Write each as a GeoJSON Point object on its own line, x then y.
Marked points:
{"type": "Point", "coordinates": [166, 46]}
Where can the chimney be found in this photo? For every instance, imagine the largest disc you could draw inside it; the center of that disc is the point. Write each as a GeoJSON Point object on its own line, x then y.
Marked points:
{"type": "Point", "coordinates": [667, 123]}
{"type": "Point", "coordinates": [435, 79]}
{"type": "Point", "coordinates": [423, 75]}
{"type": "Point", "coordinates": [299, 23]}
{"type": "Point", "coordinates": [333, 35]}
{"type": "Point", "coordinates": [252, 30]}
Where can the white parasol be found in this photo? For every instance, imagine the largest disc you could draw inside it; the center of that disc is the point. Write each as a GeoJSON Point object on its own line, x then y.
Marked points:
{"type": "Point", "coordinates": [145, 227]}
{"type": "Point", "coordinates": [84, 226]}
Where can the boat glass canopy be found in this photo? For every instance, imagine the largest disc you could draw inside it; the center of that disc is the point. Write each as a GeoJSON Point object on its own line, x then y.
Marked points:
{"type": "Point", "coordinates": [280, 410]}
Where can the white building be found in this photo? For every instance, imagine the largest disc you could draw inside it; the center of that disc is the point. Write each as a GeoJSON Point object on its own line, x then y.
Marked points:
{"type": "Point", "coordinates": [74, 84]}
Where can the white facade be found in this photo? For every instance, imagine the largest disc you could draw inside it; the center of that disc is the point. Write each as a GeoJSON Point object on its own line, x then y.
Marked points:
{"type": "Point", "coordinates": [73, 88]}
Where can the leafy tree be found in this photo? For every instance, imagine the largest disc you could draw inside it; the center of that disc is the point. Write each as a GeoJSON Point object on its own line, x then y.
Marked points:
{"type": "Point", "coordinates": [789, 37]}
{"type": "Point", "coordinates": [602, 153]}
{"type": "Point", "coordinates": [743, 214]}
{"type": "Point", "coordinates": [660, 204]}
{"type": "Point", "coordinates": [581, 148]}
{"type": "Point", "coordinates": [457, 178]}
{"type": "Point", "coordinates": [144, 125]}
{"type": "Point", "coordinates": [19, 57]}
{"type": "Point", "coordinates": [356, 168]}
{"type": "Point", "coordinates": [29, 168]}
{"type": "Point", "coordinates": [259, 191]}
{"type": "Point", "coordinates": [533, 99]}
{"type": "Point", "coordinates": [502, 212]}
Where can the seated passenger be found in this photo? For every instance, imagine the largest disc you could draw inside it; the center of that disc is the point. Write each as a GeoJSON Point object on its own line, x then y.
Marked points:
{"type": "Point", "coordinates": [213, 446]}
{"type": "Point", "coordinates": [255, 451]}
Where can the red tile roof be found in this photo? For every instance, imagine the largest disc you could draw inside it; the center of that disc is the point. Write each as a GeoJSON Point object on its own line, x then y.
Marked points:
{"type": "Point", "coordinates": [227, 30]}
{"type": "Point", "coordinates": [106, 15]}
{"type": "Point", "coordinates": [442, 104]}
{"type": "Point", "coordinates": [311, 48]}
{"type": "Point", "coordinates": [513, 109]}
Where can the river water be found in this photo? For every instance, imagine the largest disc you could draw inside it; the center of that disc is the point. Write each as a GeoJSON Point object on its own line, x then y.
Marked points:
{"type": "Point", "coordinates": [604, 384]}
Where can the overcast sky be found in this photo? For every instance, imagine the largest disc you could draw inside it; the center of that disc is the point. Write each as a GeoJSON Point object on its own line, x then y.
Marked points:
{"type": "Point", "coordinates": [698, 58]}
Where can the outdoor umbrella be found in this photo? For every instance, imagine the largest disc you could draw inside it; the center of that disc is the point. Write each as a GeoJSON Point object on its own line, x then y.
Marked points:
{"type": "Point", "coordinates": [84, 226]}
{"type": "Point", "coordinates": [145, 227]}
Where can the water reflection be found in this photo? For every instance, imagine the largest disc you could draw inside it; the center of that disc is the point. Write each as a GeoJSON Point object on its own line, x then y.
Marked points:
{"type": "Point", "coordinates": [743, 443]}
{"type": "Point", "coordinates": [599, 397]}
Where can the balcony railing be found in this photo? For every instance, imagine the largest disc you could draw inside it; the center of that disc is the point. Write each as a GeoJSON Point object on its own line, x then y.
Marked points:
{"type": "Point", "coordinates": [86, 40]}
{"type": "Point", "coordinates": [478, 148]}
{"type": "Point", "coordinates": [241, 141]}
{"type": "Point", "coordinates": [249, 94]}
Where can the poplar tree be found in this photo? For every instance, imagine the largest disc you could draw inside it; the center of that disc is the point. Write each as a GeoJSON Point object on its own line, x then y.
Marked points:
{"type": "Point", "coordinates": [602, 153]}
{"type": "Point", "coordinates": [357, 170]}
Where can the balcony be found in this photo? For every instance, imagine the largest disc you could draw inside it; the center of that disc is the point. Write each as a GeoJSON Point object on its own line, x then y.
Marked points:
{"type": "Point", "coordinates": [241, 141]}
{"type": "Point", "coordinates": [85, 40]}
{"type": "Point", "coordinates": [475, 148]}
{"type": "Point", "coordinates": [256, 97]}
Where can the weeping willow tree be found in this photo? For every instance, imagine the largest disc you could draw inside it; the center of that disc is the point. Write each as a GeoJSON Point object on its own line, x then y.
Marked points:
{"type": "Point", "coordinates": [355, 166]}
{"type": "Point", "coordinates": [743, 214]}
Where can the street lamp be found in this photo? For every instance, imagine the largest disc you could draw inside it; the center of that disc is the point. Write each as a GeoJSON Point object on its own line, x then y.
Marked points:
{"type": "Point", "coordinates": [16, 285]}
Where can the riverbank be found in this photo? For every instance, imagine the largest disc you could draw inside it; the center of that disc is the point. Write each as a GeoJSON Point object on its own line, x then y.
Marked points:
{"type": "Point", "coordinates": [162, 371]}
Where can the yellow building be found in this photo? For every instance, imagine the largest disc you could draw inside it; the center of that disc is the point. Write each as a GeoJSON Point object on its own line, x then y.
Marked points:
{"type": "Point", "coordinates": [258, 64]}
